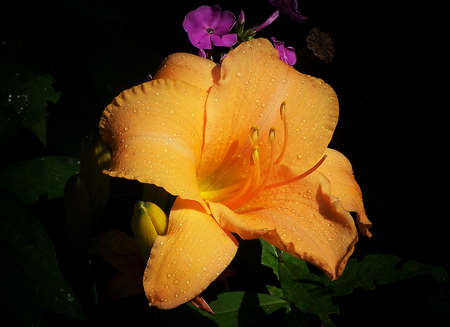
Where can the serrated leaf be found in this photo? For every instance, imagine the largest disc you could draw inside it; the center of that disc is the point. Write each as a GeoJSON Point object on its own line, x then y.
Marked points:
{"type": "Point", "coordinates": [29, 179]}
{"type": "Point", "coordinates": [306, 290]}
{"type": "Point", "coordinates": [275, 291]}
{"type": "Point", "coordinates": [230, 309]}
{"type": "Point", "coordinates": [242, 308]}
{"type": "Point", "coordinates": [298, 286]}
{"type": "Point", "coordinates": [377, 269]}
{"type": "Point", "coordinates": [269, 256]}
{"type": "Point", "coordinates": [30, 246]}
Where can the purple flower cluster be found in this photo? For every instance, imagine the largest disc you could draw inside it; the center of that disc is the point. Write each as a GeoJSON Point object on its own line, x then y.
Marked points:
{"type": "Point", "coordinates": [209, 26]}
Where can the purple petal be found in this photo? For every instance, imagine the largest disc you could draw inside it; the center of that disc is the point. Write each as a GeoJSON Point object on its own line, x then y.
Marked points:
{"type": "Point", "coordinates": [201, 53]}
{"type": "Point", "coordinates": [268, 20]}
{"type": "Point", "coordinates": [203, 43]}
{"type": "Point", "coordinates": [290, 56]}
{"type": "Point", "coordinates": [205, 15]}
{"type": "Point", "coordinates": [215, 17]}
{"type": "Point", "coordinates": [289, 7]}
{"type": "Point", "coordinates": [227, 21]}
{"type": "Point", "coordinates": [224, 41]}
{"type": "Point", "coordinates": [221, 59]}
{"type": "Point", "coordinates": [287, 55]}
{"type": "Point", "coordinates": [277, 44]}
{"type": "Point", "coordinates": [195, 24]}
{"type": "Point", "coordinates": [199, 18]}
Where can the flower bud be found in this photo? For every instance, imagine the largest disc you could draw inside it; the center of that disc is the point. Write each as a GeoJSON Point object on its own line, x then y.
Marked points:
{"type": "Point", "coordinates": [240, 23]}
{"type": "Point", "coordinates": [147, 223]}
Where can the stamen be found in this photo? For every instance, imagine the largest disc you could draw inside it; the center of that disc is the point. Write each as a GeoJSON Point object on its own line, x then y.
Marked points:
{"type": "Point", "coordinates": [255, 157]}
{"type": "Point", "coordinates": [244, 198]}
{"type": "Point", "coordinates": [250, 187]}
{"type": "Point", "coordinates": [255, 171]}
{"type": "Point", "coordinates": [283, 118]}
{"type": "Point", "coordinates": [272, 157]}
{"type": "Point", "coordinates": [299, 177]}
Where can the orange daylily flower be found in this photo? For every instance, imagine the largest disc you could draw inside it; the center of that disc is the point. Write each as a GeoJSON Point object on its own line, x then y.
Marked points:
{"type": "Point", "coordinates": [244, 147]}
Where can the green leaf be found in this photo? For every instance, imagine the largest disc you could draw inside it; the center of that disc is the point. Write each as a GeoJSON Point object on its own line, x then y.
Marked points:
{"type": "Point", "coordinates": [232, 309]}
{"type": "Point", "coordinates": [28, 97]}
{"type": "Point", "coordinates": [300, 287]}
{"type": "Point", "coordinates": [30, 246]}
{"type": "Point", "coordinates": [377, 269]}
{"type": "Point", "coordinates": [28, 179]}
{"type": "Point", "coordinates": [306, 290]}
{"type": "Point", "coordinates": [269, 256]}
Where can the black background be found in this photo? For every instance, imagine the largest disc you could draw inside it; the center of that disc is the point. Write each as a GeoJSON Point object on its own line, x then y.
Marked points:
{"type": "Point", "coordinates": [388, 73]}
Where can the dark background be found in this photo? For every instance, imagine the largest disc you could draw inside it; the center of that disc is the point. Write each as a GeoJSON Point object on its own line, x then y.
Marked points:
{"type": "Point", "coordinates": [387, 72]}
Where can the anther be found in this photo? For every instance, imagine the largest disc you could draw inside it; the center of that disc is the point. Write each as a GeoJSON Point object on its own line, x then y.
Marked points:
{"type": "Point", "coordinates": [272, 134]}
{"type": "Point", "coordinates": [283, 118]}
{"type": "Point", "coordinates": [254, 132]}
{"type": "Point", "coordinates": [282, 109]}
{"type": "Point", "coordinates": [248, 192]}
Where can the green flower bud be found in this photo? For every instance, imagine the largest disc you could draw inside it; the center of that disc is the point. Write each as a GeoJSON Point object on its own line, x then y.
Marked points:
{"type": "Point", "coordinates": [147, 223]}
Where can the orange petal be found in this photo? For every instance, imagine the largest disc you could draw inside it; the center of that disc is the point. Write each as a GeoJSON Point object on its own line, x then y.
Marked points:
{"type": "Point", "coordinates": [117, 248]}
{"type": "Point", "coordinates": [127, 282]}
{"type": "Point", "coordinates": [151, 129]}
{"type": "Point", "coordinates": [301, 218]}
{"type": "Point", "coordinates": [191, 69]}
{"type": "Point", "coordinates": [339, 171]}
{"type": "Point", "coordinates": [253, 84]}
{"type": "Point", "coordinates": [188, 258]}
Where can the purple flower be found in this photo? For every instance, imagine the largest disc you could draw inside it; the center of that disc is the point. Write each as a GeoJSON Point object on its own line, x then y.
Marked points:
{"type": "Point", "coordinates": [209, 25]}
{"type": "Point", "coordinates": [289, 7]}
{"type": "Point", "coordinates": [286, 54]}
